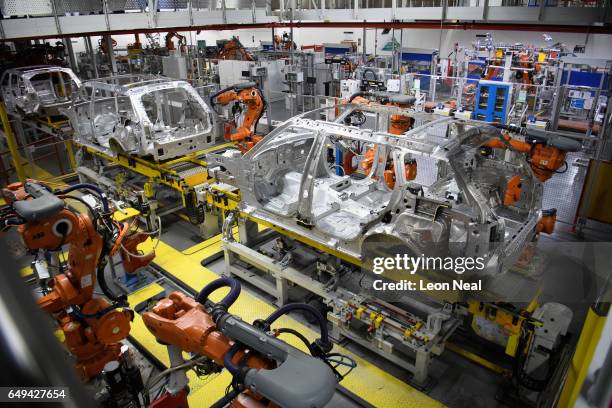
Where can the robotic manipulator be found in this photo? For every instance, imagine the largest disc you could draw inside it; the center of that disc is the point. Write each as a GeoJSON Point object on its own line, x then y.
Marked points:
{"type": "Point", "coordinates": [93, 327]}
{"type": "Point", "coordinates": [266, 371]}
{"type": "Point", "coordinates": [544, 150]}
{"type": "Point", "coordinates": [247, 109]}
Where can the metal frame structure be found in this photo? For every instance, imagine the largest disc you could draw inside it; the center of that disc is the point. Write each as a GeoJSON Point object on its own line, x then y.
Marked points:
{"type": "Point", "coordinates": [51, 23]}
{"type": "Point", "coordinates": [187, 175]}
{"type": "Point", "coordinates": [423, 338]}
{"type": "Point", "coordinates": [410, 336]}
{"type": "Point", "coordinates": [22, 141]}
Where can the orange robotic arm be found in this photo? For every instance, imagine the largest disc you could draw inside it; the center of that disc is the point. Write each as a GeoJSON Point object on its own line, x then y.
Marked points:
{"type": "Point", "coordinates": [49, 225]}
{"type": "Point", "coordinates": [267, 372]}
{"type": "Point", "coordinates": [93, 327]}
{"type": "Point", "coordinates": [250, 96]}
{"type": "Point", "coordinates": [546, 154]}
{"type": "Point", "coordinates": [170, 44]}
{"type": "Point", "coordinates": [234, 50]}
{"type": "Point", "coordinates": [398, 125]}
{"type": "Point", "coordinates": [181, 321]}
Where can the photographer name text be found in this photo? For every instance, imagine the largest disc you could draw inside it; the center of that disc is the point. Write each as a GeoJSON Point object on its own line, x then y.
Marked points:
{"type": "Point", "coordinates": [402, 285]}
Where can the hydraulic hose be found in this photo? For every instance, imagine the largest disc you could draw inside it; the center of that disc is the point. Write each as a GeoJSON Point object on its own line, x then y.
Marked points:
{"type": "Point", "coordinates": [299, 335]}
{"type": "Point", "coordinates": [228, 357]}
{"type": "Point", "coordinates": [371, 71]}
{"type": "Point", "coordinates": [212, 97]}
{"type": "Point", "coordinates": [104, 286]}
{"type": "Point", "coordinates": [224, 281]}
{"type": "Point", "coordinates": [91, 187]}
{"type": "Point", "coordinates": [283, 310]}
{"type": "Point", "coordinates": [356, 94]}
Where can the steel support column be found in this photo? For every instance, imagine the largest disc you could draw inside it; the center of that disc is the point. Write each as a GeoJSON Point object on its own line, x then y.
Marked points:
{"type": "Point", "coordinates": [70, 51]}
{"type": "Point", "coordinates": [92, 56]}
{"type": "Point", "coordinates": [111, 53]}
{"type": "Point", "coordinates": [364, 59]}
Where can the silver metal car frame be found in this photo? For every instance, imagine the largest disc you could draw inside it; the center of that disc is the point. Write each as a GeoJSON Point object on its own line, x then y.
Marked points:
{"type": "Point", "coordinates": [22, 94]}
{"type": "Point", "coordinates": [114, 119]}
{"type": "Point", "coordinates": [460, 214]}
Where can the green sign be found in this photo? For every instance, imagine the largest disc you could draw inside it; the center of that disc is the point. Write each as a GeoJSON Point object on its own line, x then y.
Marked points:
{"type": "Point", "coordinates": [391, 45]}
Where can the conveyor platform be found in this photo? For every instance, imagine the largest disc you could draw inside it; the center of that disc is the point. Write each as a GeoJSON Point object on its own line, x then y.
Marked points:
{"type": "Point", "coordinates": [179, 174]}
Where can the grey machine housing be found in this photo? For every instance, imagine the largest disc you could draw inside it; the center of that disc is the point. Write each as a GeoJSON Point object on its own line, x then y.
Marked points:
{"type": "Point", "coordinates": [300, 380]}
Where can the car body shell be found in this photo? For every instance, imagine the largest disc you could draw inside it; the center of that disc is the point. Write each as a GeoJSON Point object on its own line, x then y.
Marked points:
{"type": "Point", "coordinates": [287, 181]}
{"type": "Point", "coordinates": [41, 89]}
{"type": "Point", "coordinates": [145, 116]}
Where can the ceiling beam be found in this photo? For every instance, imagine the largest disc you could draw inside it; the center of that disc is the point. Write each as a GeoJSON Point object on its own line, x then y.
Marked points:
{"type": "Point", "coordinates": [434, 25]}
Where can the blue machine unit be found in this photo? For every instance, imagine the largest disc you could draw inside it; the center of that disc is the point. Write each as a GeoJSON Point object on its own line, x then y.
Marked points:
{"type": "Point", "coordinates": [420, 61]}
{"type": "Point", "coordinates": [267, 46]}
{"type": "Point", "coordinates": [492, 101]}
{"type": "Point", "coordinates": [475, 70]}
{"type": "Point", "coordinates": [336, 49]}
{"type": "Point", "coordinates": [583, 78]}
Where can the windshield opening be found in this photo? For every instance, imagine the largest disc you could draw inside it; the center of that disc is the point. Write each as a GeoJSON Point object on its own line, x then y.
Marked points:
{"type": "Point", "coordinates": [173, 108]}
{"type": "Point", "coordinates": [53, 85]}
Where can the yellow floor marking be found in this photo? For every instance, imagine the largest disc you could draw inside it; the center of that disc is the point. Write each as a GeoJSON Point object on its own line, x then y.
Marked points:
{"type": "Point", "coordinates": [367, 381]}
{"type": "Point", "coordinates": [26, 271]}
{"type": "Point", "coordinates": [212, 246]}
{"type": "Point", "coordinates": [144, 293]}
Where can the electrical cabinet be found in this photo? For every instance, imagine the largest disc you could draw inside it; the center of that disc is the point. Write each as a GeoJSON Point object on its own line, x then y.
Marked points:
{"type": "Point", "coordinates": [348, 87]}
{"type": "Point", "coordinates": [492, 101]}
{"type": "Point", "coordinates": [233, 72]}
{"type": "Point", "coordinates": [393, 85]}
{"type": "Point", "coordinates": [419, 61]}
{"type": "Point", "coordinates": [174, 66]}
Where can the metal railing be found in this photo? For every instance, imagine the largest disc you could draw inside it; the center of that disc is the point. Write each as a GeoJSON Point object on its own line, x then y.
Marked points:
{"type": "Point", "coordinates": [551, 3]}
{"type": "Point", "coordinates": [19, 8]}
